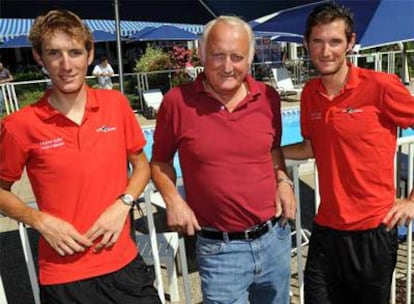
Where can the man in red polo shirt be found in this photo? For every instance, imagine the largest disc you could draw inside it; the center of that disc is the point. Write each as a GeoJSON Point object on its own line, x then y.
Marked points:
{"type": "Point", "coordinates": [227, 130]}
{"type": "Point", "coordinates": [349, 119]}
{"type": "Point", "coordinates": [75, 143]}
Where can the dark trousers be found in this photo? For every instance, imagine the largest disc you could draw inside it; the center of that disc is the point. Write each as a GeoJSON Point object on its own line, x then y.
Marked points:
{"type": "Point", "coordinates": [346, 267]}
{"type": "Point", "coordinates": [130, 285]}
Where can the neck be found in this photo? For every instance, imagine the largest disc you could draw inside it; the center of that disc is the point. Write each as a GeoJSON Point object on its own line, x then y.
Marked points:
{"type": "Point", "coordinates": [229, 100]}
{"type": "Point", "coordinates": [334, 83]}
{"type": "Point", "coordinates": [71, 105]}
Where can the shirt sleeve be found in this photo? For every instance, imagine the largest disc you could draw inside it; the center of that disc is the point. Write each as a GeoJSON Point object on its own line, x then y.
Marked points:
{"type": "Point", "coordinates": [12, 156]}
{"type": "Point", "coordinates": [135, 140]}
{"type": "Point", "coordinates": [96, 70]}
{"type": "Point", "coordinates": [397, 102]}
{"type": "Point", "coordinates": [274, 99]}
{"type": "Point", "coordinates": [165, 144]}
{"type": "Point", "coordinates": [304, 126]}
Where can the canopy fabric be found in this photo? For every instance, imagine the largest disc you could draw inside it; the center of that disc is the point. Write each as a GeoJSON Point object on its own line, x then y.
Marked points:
{"type": "Point", "coordinates": [136, 35]}
{"type": "Point", "coordinates": [10, 28]}
{"type": "Point", "coordinates": [165, 32]}
{"type": "Point", "coordinates": [102, 36]}
{"type": "Point", "coordinates": [277, 36]}
{"type": "Point", "coordinates": [16, 42]}
{"type": "Point", "coordinates": [377, 22]}
{"type": "Point", "coordinates": [175, 11]}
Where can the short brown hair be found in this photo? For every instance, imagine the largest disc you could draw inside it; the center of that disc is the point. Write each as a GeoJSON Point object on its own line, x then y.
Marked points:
{"type": "Point", "coordinates": [59, 20]}
{"type": "Point", "coordinates": [327, 13]}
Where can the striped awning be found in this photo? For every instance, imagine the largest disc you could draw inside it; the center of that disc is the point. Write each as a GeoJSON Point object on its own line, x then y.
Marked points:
{"type": "Point", "coordinates": [11, 27]}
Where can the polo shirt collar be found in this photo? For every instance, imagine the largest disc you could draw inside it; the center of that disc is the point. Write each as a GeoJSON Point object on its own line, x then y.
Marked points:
{"type": "Point", "coordinates": [353, 79]}
{"type": "Point", "coordinates": [45, 111]}
{"type": "Point", "coordinates": [254, 89]}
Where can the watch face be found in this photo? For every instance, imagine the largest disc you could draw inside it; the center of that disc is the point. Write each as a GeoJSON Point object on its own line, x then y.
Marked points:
{"type": "Point", "coordinates": [127, 199]}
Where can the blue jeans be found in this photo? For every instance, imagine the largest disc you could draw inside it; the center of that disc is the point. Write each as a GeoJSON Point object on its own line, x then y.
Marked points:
{"type": "Point", "coordinates": [239, 271]}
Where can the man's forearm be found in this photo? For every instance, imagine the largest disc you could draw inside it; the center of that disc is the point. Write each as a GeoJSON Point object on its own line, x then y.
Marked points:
{"type": "Point", "coordinates": [298, 151]}
{"type": "Point", "coordinates": [164, 177]}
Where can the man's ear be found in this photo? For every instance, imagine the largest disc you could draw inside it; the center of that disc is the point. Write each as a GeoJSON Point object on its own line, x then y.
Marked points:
{"type": "Point", "coordinates": [305, 45]}
{"type": "Point", "coordinates": [37, 57]}
{"type": "Point", "coordinates": [91, 55]}
{"type": "Point", "coordinates": [351, 43]}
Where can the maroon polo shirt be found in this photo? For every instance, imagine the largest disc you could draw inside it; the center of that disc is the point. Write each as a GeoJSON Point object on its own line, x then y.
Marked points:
{"type": "Point", "coordinates": [225, 157]}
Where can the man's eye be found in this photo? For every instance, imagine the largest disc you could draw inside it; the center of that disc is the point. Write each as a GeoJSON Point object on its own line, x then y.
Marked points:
{"type": "Point", "coordinates": [236, 58]}
{"type": "Point", "coordinates": [218, 57]}
{"type": "Point", "coordinates": [51, 53]}
{"type": "Point", "coordinates": [335, 42]}
{"type": "Point", "coordinates": [76, 53]}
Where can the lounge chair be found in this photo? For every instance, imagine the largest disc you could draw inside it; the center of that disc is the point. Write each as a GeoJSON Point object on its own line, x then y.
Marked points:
{"type": "Point", "coordinates": [152, 100]}
{"type": "Point", "coordinates": [284, 84]}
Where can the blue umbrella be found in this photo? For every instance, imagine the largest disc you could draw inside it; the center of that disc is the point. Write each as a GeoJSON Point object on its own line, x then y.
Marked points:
{"type": "Point", "coordinates": [16, 42]}
{"type": "Point", "coordinates": [283, 37]}
{"type": "Point", "coordinates": [102, 36]}
{"type": "Point", "coordinates": [140, 33]}
{"type": "Point", "coordinates": [166, 32]}
{"type": "Point", "coordinates": [277, 36]}
{"type": "Point", "coordinates": [377, 22]}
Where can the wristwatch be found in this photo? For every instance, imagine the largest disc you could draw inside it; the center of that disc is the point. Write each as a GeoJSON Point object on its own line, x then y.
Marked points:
{"type": "Point", "coordinates": [127, 199]}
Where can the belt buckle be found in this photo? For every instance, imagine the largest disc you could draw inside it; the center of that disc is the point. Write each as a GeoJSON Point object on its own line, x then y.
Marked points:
{"type": "Point", "coordinates": [251, 232]}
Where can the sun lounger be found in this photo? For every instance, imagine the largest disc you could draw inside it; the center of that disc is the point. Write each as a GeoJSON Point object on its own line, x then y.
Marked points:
{"type": "Point", "coordinates": [284, 83]}
{"type": "Point", "coordinates": [152, 100]}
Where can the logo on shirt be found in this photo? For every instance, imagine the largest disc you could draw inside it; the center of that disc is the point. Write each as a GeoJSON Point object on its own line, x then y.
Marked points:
{"type": "Point", "coordinates": [105, 129]}
{"type": "Point", "coordinates": [52, 143]}
{"type": "Point", "coordinates": [350, 110]}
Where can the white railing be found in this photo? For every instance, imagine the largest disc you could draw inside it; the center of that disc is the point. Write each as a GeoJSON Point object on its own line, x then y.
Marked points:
{"type": "Point", "coordinates": [406, 154]}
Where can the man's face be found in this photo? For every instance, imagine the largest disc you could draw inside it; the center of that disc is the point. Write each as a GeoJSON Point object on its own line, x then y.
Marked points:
{"type": "Point", "coordinates": [66, 60]}
{"type": "Point", "coordinates": [226, 59]}
{"type": "Point", "coordinates": [328, 47]}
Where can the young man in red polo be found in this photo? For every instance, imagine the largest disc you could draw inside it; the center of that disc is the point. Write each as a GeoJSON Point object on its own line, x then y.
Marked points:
{"type": "Point", "coordinates": [75, 143]}
{"type": "Point", "coordinates": [349, 119]}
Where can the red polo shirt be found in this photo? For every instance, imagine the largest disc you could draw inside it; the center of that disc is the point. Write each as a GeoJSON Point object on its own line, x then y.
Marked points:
{"type": "Point", "coordinates": [225, 157]}
{"type": "Point", "coordinates": [353, 138]}
{"type": "Point", "coordinates": [76, 172]}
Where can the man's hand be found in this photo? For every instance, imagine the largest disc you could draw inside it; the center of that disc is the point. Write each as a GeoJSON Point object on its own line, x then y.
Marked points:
{"type": "Point", "coordinates": [61, 235]}
{"type": "Point", "coordinates": [402, 213]}
{"type": "Point", "coordinates": [108, 226]}
{"type": "Point", "coordinates": [181, 218]}
{"type": "Point", "coordinates": [286, 199]}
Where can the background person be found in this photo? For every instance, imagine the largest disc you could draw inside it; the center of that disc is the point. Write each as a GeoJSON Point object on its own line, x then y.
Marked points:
{"type": "Point", "coordinates": [349, 119]}
{"type": "Point", "coordinates": [227, 129]}
{"type": "Point", "coordinates": [75, 143]}
{"type": "Point", "coordinates": [103, 71]}
{"type": "Point", "coordinates": [5, 76]}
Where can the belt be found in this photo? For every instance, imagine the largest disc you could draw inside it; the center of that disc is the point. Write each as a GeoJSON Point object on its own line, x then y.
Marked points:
{"type": "Point", "coordinates": [249, 234]}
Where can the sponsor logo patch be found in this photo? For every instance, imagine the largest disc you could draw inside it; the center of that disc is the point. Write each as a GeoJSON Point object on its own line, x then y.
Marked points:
{"type": "Point", "coordinates": [106, 129]}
